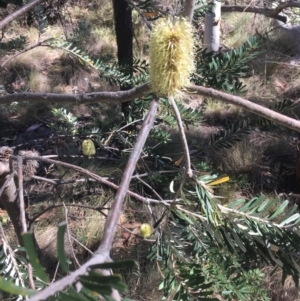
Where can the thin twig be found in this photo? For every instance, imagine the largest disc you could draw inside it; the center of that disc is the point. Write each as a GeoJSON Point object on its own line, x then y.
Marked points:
{"type": "Point", "coordinates": [82, 245]}
{"type": "Point", "coordinates": [24, 50]}
{"type": "Point", "coordinates": [182, 137]}
{"type": "Point", "coordinates": [22, 214]}
{"type": "Point", "coordinates": [96, 208]}
{"type": "Point", "coordinates": [21, 194]}
{"type": "Point", "coordinates": [69, 235]}
{"type": "Point", "coordinates": [146, 174]}
{"type": "Point", "coordinates": [25, 8]}
{"type": "Point", "coordinates": [55, 273]}
{"type": "Point", "coordinates": [150, 187]}
{"type": "Point", "coordinates": [95, 177]}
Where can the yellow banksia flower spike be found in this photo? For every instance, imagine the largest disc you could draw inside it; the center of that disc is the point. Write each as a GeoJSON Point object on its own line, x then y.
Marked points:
{"type": "Point", "coordinates": [171, 56]}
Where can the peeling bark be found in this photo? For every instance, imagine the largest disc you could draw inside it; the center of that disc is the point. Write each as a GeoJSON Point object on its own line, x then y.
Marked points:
{"type": "Point", "coordinates": [9, 198]}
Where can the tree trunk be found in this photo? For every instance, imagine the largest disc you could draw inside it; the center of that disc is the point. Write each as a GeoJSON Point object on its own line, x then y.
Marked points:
{"type": "Point", "coordinates": [124, 34]}
{"type": "Point", "coordinates": [212, 28]}
{"type": "Point", "coordinates": [9, 198]}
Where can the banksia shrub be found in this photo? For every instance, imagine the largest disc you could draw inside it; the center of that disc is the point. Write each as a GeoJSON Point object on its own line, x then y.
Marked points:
{"type": "Point", "coordinates": [171, 56]}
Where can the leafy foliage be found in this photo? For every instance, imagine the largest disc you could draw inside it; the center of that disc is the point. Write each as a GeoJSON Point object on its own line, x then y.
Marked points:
{"type": "Point", "coordinates": [114, 73]}
{"type": "Point", "coordinates": [204, 249]}
{"type": "Point", "coordinates": [226, 138]}
{"type": "Point", "coordinates": [14, 272]}
{"type": "Point", "coordinates": [13, 44]}
{"type": "Point", "coordinates": [223, 70]}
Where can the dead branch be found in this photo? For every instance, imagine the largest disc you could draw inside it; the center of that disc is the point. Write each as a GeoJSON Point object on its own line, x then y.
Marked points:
{"type": "Point", "coordinates": [69, 235]}
{"type": "Point", "coordinates": [25, 8]}
{"type": "Point", "coordinates": [114, 212]}
{"type": "Point", "coordinates": [249, 106]}
{"type": "Point", "coordinates": [95, 177]}
{"type": "Point", "coordinates": [40, 43]}
{"type": "Point", "coordinates": [84, 98]}
{"type": "Point", "coordinates": [273, 13]}
{"type": "Point", "coordinates": [124, 96]}
{"type": "Point", "coordinates": [182, 137]}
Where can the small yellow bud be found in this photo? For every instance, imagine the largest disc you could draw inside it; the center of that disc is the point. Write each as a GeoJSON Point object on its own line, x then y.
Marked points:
{"type": "Point", "coordinates": [88, 147]}
{"type": "Point", "coordinates": [145, 230]}
{"type": "Point", "coordinates": [171, 52]}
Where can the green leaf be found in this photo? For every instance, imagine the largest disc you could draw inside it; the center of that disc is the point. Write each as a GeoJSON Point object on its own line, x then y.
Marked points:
{"type": "Point", "coordinates": [33, 258]}
{"type": "Point", "coordinates": [279, 210]}
{"type": "Point", "coordinates": [236, 203]}
{"type": "Point", "coordinates": [9, 287]}
{"type": "Point", "coordinates": [290, 219]}
{"type": "Point", "coordinates": [61, 254]}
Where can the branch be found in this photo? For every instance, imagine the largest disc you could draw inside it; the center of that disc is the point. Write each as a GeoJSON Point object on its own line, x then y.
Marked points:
{"type": "Point", "coordinates": [25, 8]}
{"type": "Point", "coordinates": [24, 50]}
{"type": "Point", "coordinates": [268, 12]}
{"type": "Point", "coordinates": [96, 178]}
{"type": "Point", "coordinates": [84, 98]}
{"type": "Point", "coordinates": [114, 212]}
{"type": "Point", "coordinates": [249, 106]}
{"type": "Point", "coordinates": [182, 137]}
{"type": "Point", "coordinates": [60, 285]}
{"type": "Point", "coordinates": [125, 96]}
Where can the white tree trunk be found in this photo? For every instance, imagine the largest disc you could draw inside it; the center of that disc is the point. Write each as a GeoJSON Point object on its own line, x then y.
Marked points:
{"type": "Point", "coordinates": [211, 40]}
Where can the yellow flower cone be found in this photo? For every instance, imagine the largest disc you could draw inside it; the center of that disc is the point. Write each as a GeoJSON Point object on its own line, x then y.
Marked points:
{"type": "Point", "coordinates": [145, 230]}
{"type": "Point", "coordinates": [88, 147]}
{"type": "Point", "coordinates": [171, 56]}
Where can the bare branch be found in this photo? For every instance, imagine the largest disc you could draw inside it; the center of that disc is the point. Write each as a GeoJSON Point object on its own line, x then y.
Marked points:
{"type": "Point", "coordinates": [21, 194]}
{"type": "Point", "coordinates": [249, 106]}
{"type": "Point", "coordinates": [60, 285]}
{"type": "Point", "coordinates": [124, 96]}
{"type": "Point", "coordinates": [84, 98]}
{"type": "Point", "coordinates": [114, 212]}
{"type": "Point", "coordinates": [95, 177]}
{"type": "Point", "coordinates": [25, 50]}
{"type": "Point", "coordinates": [182, 137]}
{"type": "Point", "coordinates": [25, 8]}
{"type": "Point", "coordinates": [69, 235]}
{"type": "Point", "coordinates": [268, 12]}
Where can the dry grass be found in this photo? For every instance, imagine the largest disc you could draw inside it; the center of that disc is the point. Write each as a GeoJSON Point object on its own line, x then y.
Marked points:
{"type": "Point", "coordinates": [277, 291]}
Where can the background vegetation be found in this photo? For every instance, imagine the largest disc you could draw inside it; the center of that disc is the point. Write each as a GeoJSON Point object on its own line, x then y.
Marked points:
{"type": "Point", "coordinates": [231, 235]}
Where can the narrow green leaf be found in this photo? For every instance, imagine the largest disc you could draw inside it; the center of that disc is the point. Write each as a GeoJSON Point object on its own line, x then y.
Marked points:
{"type": "Point", "coordinates": [66, 297]}
{"type": "Point", "coordinates": [33, 258]}
{"type": "Point", "coordinates": [263, 205]}
{"type": "Point", "coordinates": [9, 287]}
{"type": "Point", "coordinates": [290, 219]}
{"type": "Point", "coordinates": [61, 254]}
{"type": "Point", "coordinates": [238, 240]}
{"type": "Point", "coordinates": [276, 260]}
{"type": "Point", "coordinates": [227, 237]}
{"type": "Point", "coordinates": [279, 210]}
{"type": "Point", "coordinates": [236, 203]}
